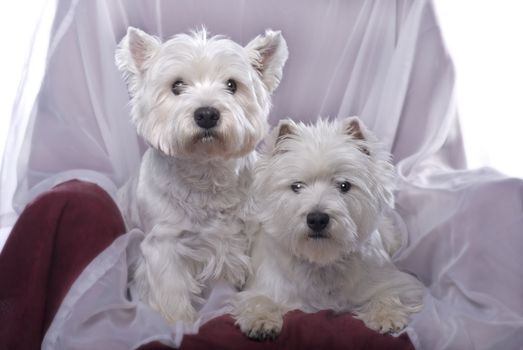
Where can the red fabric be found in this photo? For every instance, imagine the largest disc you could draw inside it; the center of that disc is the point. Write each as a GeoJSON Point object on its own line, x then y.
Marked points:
{"type": "Point", "coordinates": [301, 331]}
{"type": "Point", "coordinates": [60, 232]}
{"type": "Point", "coordinates": [322, 330]}
{"type": "Point", "coordinates": [56, 236]}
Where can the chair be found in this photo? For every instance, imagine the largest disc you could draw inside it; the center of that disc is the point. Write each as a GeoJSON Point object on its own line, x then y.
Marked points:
{"type": "Point", "coordinates": [384, 61]}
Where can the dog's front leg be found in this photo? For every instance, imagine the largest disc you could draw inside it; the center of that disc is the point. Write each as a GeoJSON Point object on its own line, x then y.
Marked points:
{"type": "Point", "coordinates": [396, 296]}
{"type": "Point", "coordinates": [258, 316]}
{"type": "Point", "coordinates": [164, 278]}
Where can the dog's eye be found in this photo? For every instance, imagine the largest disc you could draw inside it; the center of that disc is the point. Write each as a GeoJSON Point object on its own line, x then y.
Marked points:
{"type": "Point", "coordinates": [177, 87]}
{"type": "Point", "coordinates": [231, 86]}
{"type": "Point", "coordinates": [344, 186]}
{"type": "Point", "coordinates": [297, 186]}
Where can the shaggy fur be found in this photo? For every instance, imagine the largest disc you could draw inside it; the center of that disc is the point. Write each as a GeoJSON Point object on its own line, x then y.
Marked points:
{"type": "Point", "coordinates": [338, 169]}
{"type": "Point", "coordinates": [190, 194]}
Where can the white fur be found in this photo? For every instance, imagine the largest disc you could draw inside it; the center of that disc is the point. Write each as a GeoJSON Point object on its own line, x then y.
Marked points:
{"type": "Point", "coordinates": [190, 194]}
{"type": "Point", "coordinates": [346, 270]}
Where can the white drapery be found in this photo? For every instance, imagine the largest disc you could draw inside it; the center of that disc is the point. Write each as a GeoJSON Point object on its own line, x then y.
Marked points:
{"type": "Point", "coordinates": [381, 60]}
{"type": "Point", "coordinates": [22, 70]}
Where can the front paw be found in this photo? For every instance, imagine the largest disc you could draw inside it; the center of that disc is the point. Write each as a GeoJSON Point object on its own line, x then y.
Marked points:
{"type": "Point", "coordinates": [386, 314]}
{"type": "Point", "coordinates": [259, 318]}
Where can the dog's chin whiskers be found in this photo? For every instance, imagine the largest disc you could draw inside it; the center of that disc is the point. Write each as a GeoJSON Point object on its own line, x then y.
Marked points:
{"type": "Point", "coordinates": [206, 137]}
{"type": "Point", "coordinates": [314, 235]}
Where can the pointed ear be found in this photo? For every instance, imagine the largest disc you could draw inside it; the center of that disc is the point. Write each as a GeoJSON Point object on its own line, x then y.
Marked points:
{"type": "Point", "coordinates": [133, 53]}
{"type": "Point", "coordinates": [285, 128]}
{"type": "Point", "coordinates": [354, 126]}
{"type": "Point", "coordinates": [268, 54]}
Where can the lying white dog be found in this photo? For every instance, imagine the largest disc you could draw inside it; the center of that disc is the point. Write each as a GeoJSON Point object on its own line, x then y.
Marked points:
{"type": "Point", "coordinates": [202, 105]}
{"type": "Point", "coordinates": [322, 191]}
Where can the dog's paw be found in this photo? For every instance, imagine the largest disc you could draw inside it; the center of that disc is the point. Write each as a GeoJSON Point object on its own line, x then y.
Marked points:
{"type": "Point", "coordinates": [260, 329]}
{"type": "Point", "coordinates": [386, 315]}
{"type": "Point", "coordinates": [259, 318]}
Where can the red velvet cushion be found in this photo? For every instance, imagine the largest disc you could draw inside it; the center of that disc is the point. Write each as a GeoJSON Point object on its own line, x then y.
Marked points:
{"type": "Point", "coordinates": [321, 330]}
{"type": "Point", "coordinates": [56, 236]}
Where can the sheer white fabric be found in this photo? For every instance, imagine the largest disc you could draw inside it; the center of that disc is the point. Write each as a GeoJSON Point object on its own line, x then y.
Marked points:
{"type": "Point", "coordinates": [381, 60]}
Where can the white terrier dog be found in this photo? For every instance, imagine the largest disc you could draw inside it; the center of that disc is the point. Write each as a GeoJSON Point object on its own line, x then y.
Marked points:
{"type": "Point", "coordinates": [322, 191]}
{"type": "Point", "coordinates": [202, 105]}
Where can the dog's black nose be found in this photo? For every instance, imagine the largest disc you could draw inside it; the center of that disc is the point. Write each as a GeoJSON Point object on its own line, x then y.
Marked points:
{"type": "Point", "coordinates": [206, 117]}
{"type": "Point", "coordinates": [317, 221]}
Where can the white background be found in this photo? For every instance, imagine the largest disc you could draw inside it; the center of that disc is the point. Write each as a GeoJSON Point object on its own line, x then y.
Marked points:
{"type": "Point", "coordinates": [485, 40]}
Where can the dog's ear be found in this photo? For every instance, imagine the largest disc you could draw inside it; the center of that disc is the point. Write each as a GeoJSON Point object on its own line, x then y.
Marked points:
{"type": "Point", "coordinates": [268, 54]}
{"type": "Point", "coordinates": [286, 128]}
{"type": "Point", "coordinates": [132, 54]}
{"type": "Point", "coordinates": [353, 126]}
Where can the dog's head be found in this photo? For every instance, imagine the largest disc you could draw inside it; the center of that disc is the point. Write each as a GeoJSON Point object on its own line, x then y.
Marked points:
{"type": "Point", "coordinates": [195, 96]}
{"type": "Point", "coordinates": [321, 189]}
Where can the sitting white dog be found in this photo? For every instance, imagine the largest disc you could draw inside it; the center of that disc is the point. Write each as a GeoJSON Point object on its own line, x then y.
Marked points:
{"type": "Point", "coordinates": [202, 105]}
{"type": "Point", "coordinates": [322, 191]}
